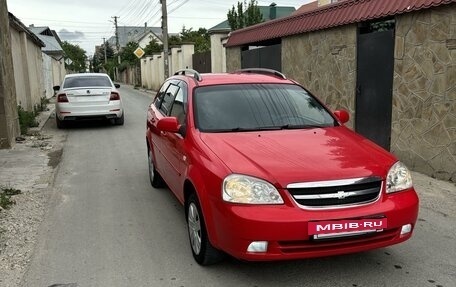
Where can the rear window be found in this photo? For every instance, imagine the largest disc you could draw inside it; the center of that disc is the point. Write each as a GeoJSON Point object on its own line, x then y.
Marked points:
{"type": "Point", "coordinates": [87, 81]}
{"type": "Point", "coordinates": [244, 107]}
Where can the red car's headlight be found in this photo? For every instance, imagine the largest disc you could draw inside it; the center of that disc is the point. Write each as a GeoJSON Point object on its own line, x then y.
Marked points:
{"type": "Point", "coordinates": [239, 188]}
{"type": "Point", "coordinates": [399, 178]}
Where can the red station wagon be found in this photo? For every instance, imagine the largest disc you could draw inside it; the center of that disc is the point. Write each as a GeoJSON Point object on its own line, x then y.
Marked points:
{"type": "Point", "coordinates": [266, 172]}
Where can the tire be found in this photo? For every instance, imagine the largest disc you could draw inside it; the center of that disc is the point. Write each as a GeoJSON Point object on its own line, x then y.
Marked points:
{"type": "Point", "coordinates": [155, 178]}
{"type": "Point", "coordinates": [202, 250]}
{"type": "Point", "coordinates": [120, 121]}
{"type": "Point", "coordinates": [60, 123]}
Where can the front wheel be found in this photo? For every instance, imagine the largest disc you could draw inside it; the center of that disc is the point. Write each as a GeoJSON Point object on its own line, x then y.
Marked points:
{"type": "Point", "coordinates": [202, 250]}
{"type": "Point", "coordinates": [155, 178]}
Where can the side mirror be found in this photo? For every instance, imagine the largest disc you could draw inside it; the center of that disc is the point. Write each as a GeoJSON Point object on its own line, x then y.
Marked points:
{"type": "Point", "coordinates": [56, 88]}
{"type": "Point", "coordinates": [342, 115]}
{"type": "Point", "coordinates": [168, 124]}
{"type": "Point", "coordinates": [117, 86]}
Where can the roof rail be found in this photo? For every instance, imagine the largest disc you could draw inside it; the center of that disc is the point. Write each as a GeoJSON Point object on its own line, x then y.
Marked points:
{"type": "Point", "coordinates": [195, 73]}
{"type": "Point", "coordinates": [262, 71]}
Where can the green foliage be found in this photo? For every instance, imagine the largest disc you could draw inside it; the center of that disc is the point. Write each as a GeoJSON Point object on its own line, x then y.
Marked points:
{"type": "Point", "coordinates": [5, 197]}
{"type": "Point", "coordinates": [26, 119]}
{"type": "Point", "coordinates": [244, 15]}
{"type": "Point", "coordinates": [175, 40]}
{"type": "Point", "coordinates": [98, 59]}
{"type": "Point", "coordinates": [77, 55]}
{"type": "Point", "coordinates": [153, 47]}
{"type": "Point", "coordinates": [200, 38]}
{"type": "Point", "coordinates": [127, 56]}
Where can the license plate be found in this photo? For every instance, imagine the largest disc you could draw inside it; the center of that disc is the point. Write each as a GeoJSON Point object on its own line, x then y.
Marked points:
{"type": "Point", "coordinates": [346, 226]}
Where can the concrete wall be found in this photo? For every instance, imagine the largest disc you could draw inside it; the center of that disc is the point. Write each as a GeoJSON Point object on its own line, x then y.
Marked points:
{"type": "Point", "coordinates": [48, 77]}
{"type": "Point", "coordinates": [35, 66]}
{"type": "Point", "coordinates": [153, 67]}
{"type": "Point", "coordinates": [20, 70]}
{"type": "Point", "coordinates": [424, 92]}
{"type": "Point", "coordinates": [28, 69]}
{"type": "Point", "coordinates": [130, 76]}
{"type": "Point", "coordinates": [58, 71]}
{"type": "Point", "coordinates": [218, 53]}
{"type": "Point", "coordinates": [325, 63]}
{"type": "Point", "coordinates": [53, 74]}
{"type": "Point", "coordinates": [9, 124]}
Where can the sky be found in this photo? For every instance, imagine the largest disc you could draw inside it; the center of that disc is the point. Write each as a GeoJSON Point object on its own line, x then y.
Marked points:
{"type": "Point", "coordinates": [87, 22]}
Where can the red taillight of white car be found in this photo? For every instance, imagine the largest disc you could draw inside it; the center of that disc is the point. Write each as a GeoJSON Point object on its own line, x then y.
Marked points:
{"type": "Point", "coordinates": [62, 98]}
{"type": "Point", "coordinates": [114, 96]}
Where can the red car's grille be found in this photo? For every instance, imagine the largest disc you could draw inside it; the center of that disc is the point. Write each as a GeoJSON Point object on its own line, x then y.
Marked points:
{"type": "Point", "coordinates": [364, 191]}
{"type": "Point", "coordinates": [337, 243]}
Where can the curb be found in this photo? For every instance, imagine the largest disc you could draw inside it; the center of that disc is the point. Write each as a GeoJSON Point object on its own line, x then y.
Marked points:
{"type": "Point", "coordinates": [42, 118]}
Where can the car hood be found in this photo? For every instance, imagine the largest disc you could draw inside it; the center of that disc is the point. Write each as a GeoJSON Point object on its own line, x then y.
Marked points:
{"type": "Point", "coordinates": [290, 156]}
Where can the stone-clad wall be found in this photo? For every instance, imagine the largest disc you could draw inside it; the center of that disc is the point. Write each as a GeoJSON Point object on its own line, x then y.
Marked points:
{"type": "Point", "coordinates": [325, 63]}
{"type": "Point", "coordinates": [233, 59]}
{"type": "Point", "coordinates": [424, 92]}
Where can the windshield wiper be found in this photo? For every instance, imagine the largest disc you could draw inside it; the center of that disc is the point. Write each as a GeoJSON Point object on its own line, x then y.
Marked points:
{"type": "Point", "coordinates": [241, 129]}
{"type": "Point", "coordinates": [292, 127]}
{"type": "Point", "coordinates": [266, 128]}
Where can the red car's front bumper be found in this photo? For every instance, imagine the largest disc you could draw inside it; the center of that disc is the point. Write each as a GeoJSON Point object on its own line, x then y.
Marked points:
{"type": "Point", "coordinates": [285, 227]}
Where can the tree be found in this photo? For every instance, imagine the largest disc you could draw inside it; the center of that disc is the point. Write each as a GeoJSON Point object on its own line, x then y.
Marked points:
{"type": "Point", "coordinates": [127, 55]}
{"type": "Point", "coordinates": [153, 47]}
{"type": "Point", "coordinates": [200, 38]}
{"type": "Point", "coordinates": [244, 15]}
{"type": "Point", "coordinates": [77, 55]}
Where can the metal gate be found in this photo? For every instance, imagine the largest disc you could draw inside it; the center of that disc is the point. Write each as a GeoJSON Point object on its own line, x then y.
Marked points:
{"type": "Point", "coordinates": [267, 57]}
{"type": "Point", "coordinates": [374, 88]}
{"type": "Point", "coordinates": [202, 62]}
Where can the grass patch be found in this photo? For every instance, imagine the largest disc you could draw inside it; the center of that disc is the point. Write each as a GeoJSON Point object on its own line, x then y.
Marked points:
{"type": "Point", "coordinates": [27, 118]}
{"type": "Point", "coordinates": [5, 197]}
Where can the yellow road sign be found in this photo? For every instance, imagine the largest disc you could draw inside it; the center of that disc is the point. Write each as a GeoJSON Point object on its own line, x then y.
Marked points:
{"type": "Point", "coordinates": [139, 52]}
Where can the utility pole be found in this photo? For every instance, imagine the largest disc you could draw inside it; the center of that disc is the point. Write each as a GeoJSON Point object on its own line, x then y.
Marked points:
{"type": "Point", "coordinates": [104, 46]}
{"type": "Point", "coordinates": [117, 38]}
{"type": "Point", "coordinates": [165, 36]}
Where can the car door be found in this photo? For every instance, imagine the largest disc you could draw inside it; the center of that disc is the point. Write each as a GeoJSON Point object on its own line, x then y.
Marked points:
{"type": "Point", "coordinates": [174, 142]}
{"type": "Point", "coordinates": [158, 110]}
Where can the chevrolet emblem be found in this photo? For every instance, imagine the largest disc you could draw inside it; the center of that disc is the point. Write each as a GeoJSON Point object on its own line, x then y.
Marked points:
{"type": "Point", "coordinates": [341, 194]}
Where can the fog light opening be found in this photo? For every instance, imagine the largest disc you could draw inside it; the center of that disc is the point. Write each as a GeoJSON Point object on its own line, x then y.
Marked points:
{"type": "Point", "coordinates": [258, 246]}
{"type": "Point", "coordinates": [406, 229]}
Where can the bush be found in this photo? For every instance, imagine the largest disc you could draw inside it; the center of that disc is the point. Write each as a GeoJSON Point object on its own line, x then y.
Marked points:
{"type": "Point", "coordinates": [5, 197]}
{"type": "Point", "coordinates": [26, 119]}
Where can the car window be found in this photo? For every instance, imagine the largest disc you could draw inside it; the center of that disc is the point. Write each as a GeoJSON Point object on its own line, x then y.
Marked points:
{"type": "Point", "coordinates": [159, 97]}
{"type": "Point", "coordinates": [168, 99]}
{"type": "Point", "coordinates": [87, 81]}
{"type": "Point", "coordinates": [256, 107]}
{"type": "Point", "coordinates": [177, 109]}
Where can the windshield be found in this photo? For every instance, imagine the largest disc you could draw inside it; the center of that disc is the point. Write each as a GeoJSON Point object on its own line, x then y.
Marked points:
{"type": "Point", "coordinates": [246, 107]}
{"type": "Point", "coordinates": [87, 81]}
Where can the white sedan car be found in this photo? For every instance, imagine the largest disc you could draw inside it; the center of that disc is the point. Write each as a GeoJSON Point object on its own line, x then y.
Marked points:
{"type": "Point", "coordinates": [88, 96]}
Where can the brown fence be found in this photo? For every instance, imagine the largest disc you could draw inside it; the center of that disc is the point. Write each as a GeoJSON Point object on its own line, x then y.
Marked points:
{"type": "Point", "coordinates": [202, 62]}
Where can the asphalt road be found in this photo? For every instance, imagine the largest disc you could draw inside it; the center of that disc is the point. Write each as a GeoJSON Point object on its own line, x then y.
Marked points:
{"type": "Point", "coordinates": [108, 227]}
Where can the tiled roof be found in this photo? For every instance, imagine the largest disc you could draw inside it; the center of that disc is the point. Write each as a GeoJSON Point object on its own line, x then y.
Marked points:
{"type": "Point", "coordinates": [342, 13]}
